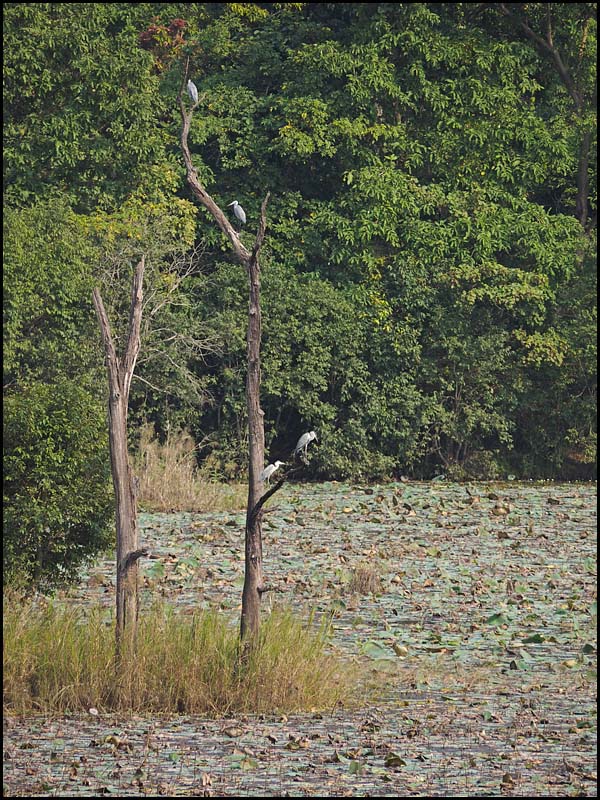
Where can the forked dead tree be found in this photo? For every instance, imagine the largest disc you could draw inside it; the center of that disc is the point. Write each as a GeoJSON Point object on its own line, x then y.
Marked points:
{"type": "Point", "coordinates": [253, 581]}
{"type": "Point", "coordinates": [120, 372]}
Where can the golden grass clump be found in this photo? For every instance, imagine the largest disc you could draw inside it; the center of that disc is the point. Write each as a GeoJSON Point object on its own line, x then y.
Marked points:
{"type": "Point", "coordinates": [169, 478]}
{"type": "Point", "coordinates": [365, 579]}
{"type": "Point", "coordinates": [59, 659]}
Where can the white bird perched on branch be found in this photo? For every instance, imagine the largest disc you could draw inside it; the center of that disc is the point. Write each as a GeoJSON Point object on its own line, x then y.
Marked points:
{"type": "Point", "coordinates": [265, 475]}
{"type": "Point", "coordinates": [303, 442]}
{"type": "Point", "coordinates": [238, 211]}
{"type": "Point", "coordinates": [192, 91]}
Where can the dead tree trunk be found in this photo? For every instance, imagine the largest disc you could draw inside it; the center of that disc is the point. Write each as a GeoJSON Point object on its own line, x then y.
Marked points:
{"type": "Point", "coordinates": [120, 373]}
{"type": "Point", "coordinates": [253, 581]}
{"type": "Point", "coordinates": [253, 574]}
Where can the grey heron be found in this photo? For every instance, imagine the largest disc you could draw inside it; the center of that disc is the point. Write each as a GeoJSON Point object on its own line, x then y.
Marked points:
{"type": "Point", "coordinates": [238, 211]}
{"type": "Point", "coordinates": [265, 475]}
{"type": "Point", "coordinates": [303, 442]}
{"type": "Point", "coordinates": [192, 91]}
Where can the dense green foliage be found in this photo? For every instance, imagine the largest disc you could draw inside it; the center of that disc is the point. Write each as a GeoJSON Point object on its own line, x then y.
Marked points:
{"type": "Point", "coordinates": [423, 241]}
{"type": "Point", "coordinates": [57, 501]}
{"type": "Point", "coordinates": [429, 291]}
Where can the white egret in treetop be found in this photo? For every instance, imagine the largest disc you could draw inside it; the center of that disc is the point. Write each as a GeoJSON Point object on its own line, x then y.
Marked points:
{"type": "Point", "coordinates": [192, 91]}
{"type": "Point", "coordinates": [238, 211]}
{"type": "Point", "coordinates": [303, 442]}
{"type": "Point", "coordinates": [265, 475]}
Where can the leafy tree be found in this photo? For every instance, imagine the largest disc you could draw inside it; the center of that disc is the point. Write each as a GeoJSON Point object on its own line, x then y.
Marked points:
{"type": "Point", "coordinates": [431, 228]}
{"type": "Point", "coordinates": [410, 153]}
{"type": "Point", "coordinates": [57, 501]}
{"type": "Point", "coordinates": [57, 498]}
{"type": "Point", "coordinates": [556, 425]}
{"type": "Point", "coordinates": [81, 105]}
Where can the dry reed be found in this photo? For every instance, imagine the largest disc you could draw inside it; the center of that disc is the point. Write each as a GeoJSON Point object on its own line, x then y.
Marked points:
{"type": "Point", "coordinates": [59, 660]}
{"type": "Point", "coordinates": [365, 579]}
{"type": "Point", "coordinates": [169, 478]}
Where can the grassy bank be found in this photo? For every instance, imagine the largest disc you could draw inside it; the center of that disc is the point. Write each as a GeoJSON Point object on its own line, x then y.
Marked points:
{"type": "Point", "coordinates": [59, 659]}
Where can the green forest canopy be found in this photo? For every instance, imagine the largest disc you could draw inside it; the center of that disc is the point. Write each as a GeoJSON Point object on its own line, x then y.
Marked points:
{"type": "Point", "coordinates": [429, 285]}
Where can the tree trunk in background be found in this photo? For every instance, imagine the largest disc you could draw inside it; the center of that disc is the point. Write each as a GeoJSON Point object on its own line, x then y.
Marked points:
{"type": "Point", "coordinates": [582, 102]}
{"type": "Point", "coordinates": [120, 373]}
{"type": "Point", "coordinates": [583, 188]}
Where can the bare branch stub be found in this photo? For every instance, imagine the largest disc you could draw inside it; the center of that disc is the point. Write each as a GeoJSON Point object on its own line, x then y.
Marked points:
{"type": "Point", "coordinates": [257, 507]}
{"type": "Point", "coordinates": [132, 557]}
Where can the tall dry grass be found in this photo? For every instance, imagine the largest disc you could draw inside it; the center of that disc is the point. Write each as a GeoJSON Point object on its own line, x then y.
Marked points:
{"type": "Point", "coordinates": [365, 579]}
{"type": "Point", "coordinates": [169, 479]}
{"type": "Point", "coordinates": [59, 659]}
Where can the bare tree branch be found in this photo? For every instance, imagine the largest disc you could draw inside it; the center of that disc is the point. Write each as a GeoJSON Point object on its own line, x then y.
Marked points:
{"type": "Point", "coordinates": [112, 360]}
{"type": "Point", "coordinates": [151, 385]}
{"type": "Point", "coordinates": [546, 44]}
{"type": "Point", "coordinates": [135, 319]}
{"type": "Point", "coordinates": [132, 557]}
{"type": "Point", "coordinates": [255, 511]}
{"type": "Point", "coordinates": [198, 189]}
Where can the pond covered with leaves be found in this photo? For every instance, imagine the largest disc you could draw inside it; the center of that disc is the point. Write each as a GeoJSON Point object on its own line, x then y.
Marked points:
{"type": "Point", "coordinates": [472, 607]}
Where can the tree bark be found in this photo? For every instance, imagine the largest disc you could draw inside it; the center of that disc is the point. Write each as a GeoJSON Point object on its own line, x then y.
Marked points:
{"type": "Point", "coordinates": [120, 374]}
{"type": "Point", "coordinates": [253, 577]}
{"type": "Point", "coordinates": [583, 189]}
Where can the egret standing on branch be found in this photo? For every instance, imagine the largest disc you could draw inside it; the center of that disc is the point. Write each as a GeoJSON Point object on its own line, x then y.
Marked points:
{"type": "Point", "coordinates": [238, 211]}
{"type": "Point", "coordinates": [192, 91]}
{"type": "Point", "coordinates": [265, 475]}
{"type": "Point", "coordinates": [303, 442]}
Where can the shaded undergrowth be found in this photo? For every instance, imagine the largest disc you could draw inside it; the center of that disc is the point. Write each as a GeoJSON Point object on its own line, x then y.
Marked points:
{"type": "Point", "coordinates": [59, 659]}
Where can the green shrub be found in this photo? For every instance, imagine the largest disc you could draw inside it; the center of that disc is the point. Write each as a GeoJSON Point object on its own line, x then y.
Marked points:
{"type": "Point", "coordinates": [57, 493]}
